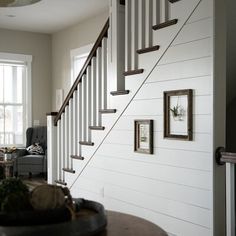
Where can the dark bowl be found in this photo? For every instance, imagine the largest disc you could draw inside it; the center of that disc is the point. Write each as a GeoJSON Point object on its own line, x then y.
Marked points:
{"type": "Point", "coordinates": [90, 220]}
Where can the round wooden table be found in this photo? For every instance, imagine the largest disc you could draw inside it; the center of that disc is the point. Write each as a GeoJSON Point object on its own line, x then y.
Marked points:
{"type": "Point", "coordinates": [120, 224]}
{"type": "Point", "coordinates": [89, 222]}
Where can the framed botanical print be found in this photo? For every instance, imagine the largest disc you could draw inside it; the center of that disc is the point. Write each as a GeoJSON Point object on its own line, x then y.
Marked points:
{"type": "Point", "coordinates": [178, 117]}
{"type": "Point", "coordinates": [143, 136]}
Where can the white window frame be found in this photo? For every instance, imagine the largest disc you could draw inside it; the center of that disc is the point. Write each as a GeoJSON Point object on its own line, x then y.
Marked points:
{"type": "Point", "coordinates": [78, 52]}
{"type": "Point", "coordinates": [27, 61]}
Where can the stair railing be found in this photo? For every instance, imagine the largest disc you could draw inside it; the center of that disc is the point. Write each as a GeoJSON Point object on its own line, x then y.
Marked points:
{"type": "Point", "coordinates": [130, 34]}
{"type": "Point", "coordinates": [103, 34]}
{"type": "Point", "coordinates": [141, 18]}
{"type": "Point", "coordinates": [71, 126]}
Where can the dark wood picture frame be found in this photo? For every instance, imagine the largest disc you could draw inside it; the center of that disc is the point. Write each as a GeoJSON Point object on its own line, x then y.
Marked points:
{"type": "Point", "coordinates": [146, 128]}
{"type": "Point", "coordinates": [168, 112]}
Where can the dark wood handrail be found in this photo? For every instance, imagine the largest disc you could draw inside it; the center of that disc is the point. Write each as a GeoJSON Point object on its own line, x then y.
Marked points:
{"type": "Point", "coordinates": [53, 113]}
{"type": "Point", "coordinates": [223, 157]}
{"type": "Point", "coordinates": [228, 157]}
{"type": "Point", "coordinates": [104, 33]}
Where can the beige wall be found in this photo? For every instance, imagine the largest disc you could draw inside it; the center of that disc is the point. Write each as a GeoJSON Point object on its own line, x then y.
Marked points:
{"type": "Point", "coordinates": [62, 42]}
{"type": "Point", "coordinates": [51, 58]}
{"type": "Point", "coordinates": [39, 46]}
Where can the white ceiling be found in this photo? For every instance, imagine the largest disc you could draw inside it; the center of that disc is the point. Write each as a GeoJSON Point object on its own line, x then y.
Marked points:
{"type": "Point", "coordinates": [49, 16]}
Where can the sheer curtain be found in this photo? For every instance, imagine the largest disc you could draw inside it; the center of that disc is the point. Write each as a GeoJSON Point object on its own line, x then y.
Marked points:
{"type": "Point", "coordinates": [12, 104]}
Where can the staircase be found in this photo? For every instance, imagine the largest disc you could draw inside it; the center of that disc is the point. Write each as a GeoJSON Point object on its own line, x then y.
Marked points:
{"type": "Point", "coordinates": [110, 78]}
{"type": "Point", "coordinates": [146, 48]}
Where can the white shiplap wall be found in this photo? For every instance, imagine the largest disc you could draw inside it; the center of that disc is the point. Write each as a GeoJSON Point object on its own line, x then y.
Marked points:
{"type": "Point", "coordinates": [172, 187]}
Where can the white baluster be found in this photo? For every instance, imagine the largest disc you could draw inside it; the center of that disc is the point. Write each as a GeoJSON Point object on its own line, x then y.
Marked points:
{"type": "Point", "coordinates": [156, 12]}
{"type": "Point", "coordinates": [88, 93]}
{"type": "Point", "coordinates": [134, 34]}
{"type": "Point", "coordinates": [164, 10]}
{"type": "Point", "coordinates": [62, 145]}
{"type": "Point", "coordinates": [66, 140]}
{"type": "Point", "coordinates": [148, 21]}
{"type": "Point", "coordinates": [99, 85]}
{"type": "Point", "coordinates": [75, 124]}
{"type": "Point", "coordinates": [70, 132]}
{"type": "Point", "coordinates": [52, 149]}
{"type": "Point", "coordinates": [141, 24]}
{"type": "Point", "coordinates": [79, 117]}
{"type": "Point", "coordinates": [104, 73]}
{"type": "Point", "coordinates": [116, 47]}
{"type": "Point", "coordinates": [94, 92]}
{"type": "Point", "coordinates": [128, 30]}
{"type": "Point", "coordinates": [230, 199]}
{"type": "Point", "coordinates": [59, 150]}
{"type": "Point", "coordinates": [84, 108]}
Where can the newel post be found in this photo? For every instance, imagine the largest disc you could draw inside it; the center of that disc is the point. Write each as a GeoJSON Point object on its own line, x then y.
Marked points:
{"type": "Point", "coordinates": [51, 148]}
{"type": "Point", "coordinates": [116, 46]}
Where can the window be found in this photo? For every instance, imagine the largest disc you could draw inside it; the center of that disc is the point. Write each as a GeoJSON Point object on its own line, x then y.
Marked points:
{"type": "Point", "coordinates": [15, 102]}
{"type": "Point", "coordinates": [78, 58]}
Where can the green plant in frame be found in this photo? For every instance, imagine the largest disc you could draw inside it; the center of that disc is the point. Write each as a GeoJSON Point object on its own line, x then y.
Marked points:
{"type": "Point", "coordinates": [175, 110]}
{"type": "Point", "coordinates": [178, 112]}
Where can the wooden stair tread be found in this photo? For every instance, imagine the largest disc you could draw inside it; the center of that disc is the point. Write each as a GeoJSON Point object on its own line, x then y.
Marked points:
{"type": "Point", "coordinates": [122, 2]}
{"type": "Point", "coordinates": [106, 111]}
{"type": "Point", "coordinates": [119, 92]}
{"type": "Point", "coordinates": [86, 143]}
{"type": "Point", "coordinates": [165, 24]}
{"type": "Point", "coordinates": [77, 157]}
{"type": "Point", "coordinates": [60, 182]}
{"type": "Point", "coordinates": [68, 170]}
{"type": "Point", "coordinates": [96, 127]}
{"type": "Point", "coordinates": [173, 1]}
{"type": "Point", "coordinates": [149, 49]}
{"type": "Point", "coordinates": [133, 72]}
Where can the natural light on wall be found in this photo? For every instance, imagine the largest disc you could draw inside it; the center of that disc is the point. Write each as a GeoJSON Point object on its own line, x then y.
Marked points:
{"type": "Point", "coordinates": [78, 58]}
{"type": "Point", "coordinates": [14, 105]}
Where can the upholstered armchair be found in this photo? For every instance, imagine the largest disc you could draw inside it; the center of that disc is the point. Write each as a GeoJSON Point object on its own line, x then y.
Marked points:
{"type": "Point", "coordinates": [27, 162]}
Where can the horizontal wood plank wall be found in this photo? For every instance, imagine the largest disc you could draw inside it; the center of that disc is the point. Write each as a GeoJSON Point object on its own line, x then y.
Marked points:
{"type": "Point", "coordinates": [173, 187]}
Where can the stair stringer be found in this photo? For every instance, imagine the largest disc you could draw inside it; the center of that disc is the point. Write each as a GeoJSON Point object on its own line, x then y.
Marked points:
{"type": "Point", "coordinates": [181, 10]}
